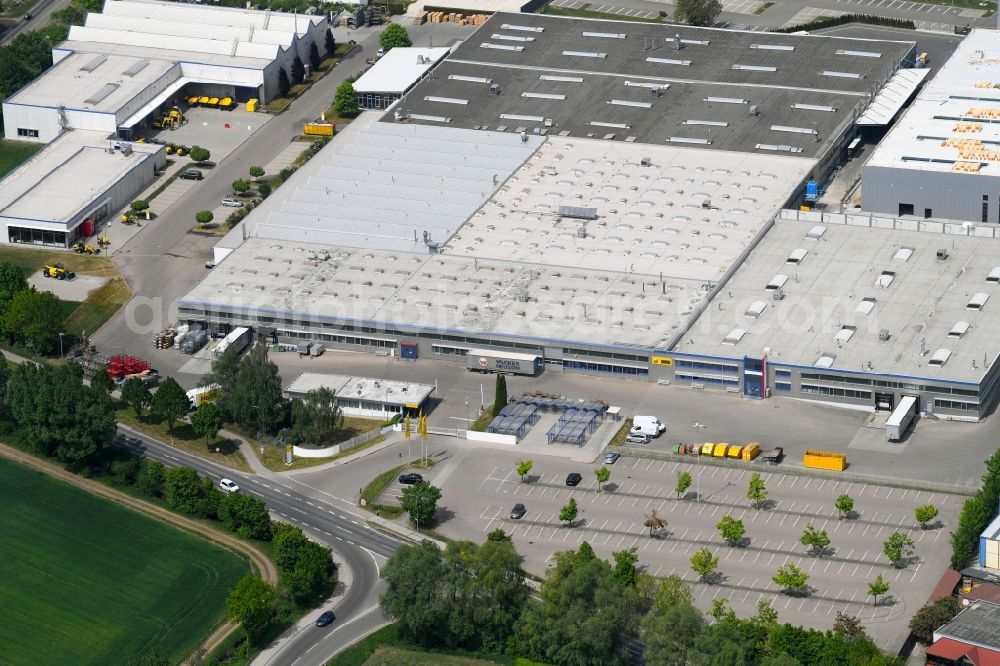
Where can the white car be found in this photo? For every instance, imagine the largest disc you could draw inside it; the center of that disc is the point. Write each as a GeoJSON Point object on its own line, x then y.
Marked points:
{"type": "Point", "coordinates": [232, 203]}
{"type": "Point", "coordinates": [380, 53]}
{"type": "Point", "coordinates": [228, 486]}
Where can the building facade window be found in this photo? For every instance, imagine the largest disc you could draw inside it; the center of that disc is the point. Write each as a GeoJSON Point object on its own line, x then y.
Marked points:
{"type": "Point", "coordinates": [30, 133]}
{"type": "Point", "coordinates": [706, 379]}
{"type": "Point", "coordinates": [956, 405]}
{"type": "Point", "coordinates": [604, 368]}
{"type": "Point", "coordinates": [450, 351]}
{"type": "Point", "coordinates": [36, 236]}
{"type": "Point", "coordinates": [700, 365]}
{"type": "Point", "coordinates": [784, 387]}
{"type": "Point", "coordinates": [836, 392]}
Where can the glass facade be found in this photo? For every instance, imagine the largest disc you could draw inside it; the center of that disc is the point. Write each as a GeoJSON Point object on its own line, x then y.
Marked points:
{"type": "Point", "coordinates": [26, 236]}
{"type": "Point", "coordinates": [378, 101]}
{"type": "Point", "coordinates": [604, 368]}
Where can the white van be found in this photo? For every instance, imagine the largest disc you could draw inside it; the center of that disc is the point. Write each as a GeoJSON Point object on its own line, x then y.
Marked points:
{"type": "Point", "coordinates": [647, 425]}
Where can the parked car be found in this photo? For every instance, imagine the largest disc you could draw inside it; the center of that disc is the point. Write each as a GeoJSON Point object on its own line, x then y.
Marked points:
{"type": "Point", "coordinates": [28, 16]}
{"type": "Point", "coordinates": [610, 458]}
{"type": "Point", "coordinates": [228, 486]}
{"type": "Point", "coordinates": [209, 265]}
{"type": "Point", "coordinates": [517, 513]}
{"type": "Point", "coordinates": [192, 174]}
{"type": "Point", "coordinates": [410, 478]}
{"type": "Point", "coordinates": [573, 479]}
{"type": "Point", "coordinates": [232, 203]}
{"type": "Point", "coordinates": [637, 438]}
{"type": "Point", "coordinates": [326, 619]}
{"type": "Point", "coordinates": [380, 53]}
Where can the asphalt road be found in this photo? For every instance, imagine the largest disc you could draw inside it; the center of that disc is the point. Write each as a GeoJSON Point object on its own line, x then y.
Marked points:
{"type": "Point", "coordinates": [41, 13]}
{"type": "Point", "coordinates": [358, 546]}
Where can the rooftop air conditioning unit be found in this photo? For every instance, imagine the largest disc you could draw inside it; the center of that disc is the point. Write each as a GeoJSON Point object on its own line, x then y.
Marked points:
{"type": "Point", "coordinates": [495, 89]}
{"type": "Point", "coordinates": [778, 294]}
{"type": "Point", "coordinates": [883, 334]}
{"type": "Point", "coordinates": [942, 254]}
{"type": "Point", "coordinates": [646, 161]}
{"type": "Point", "coordinates": [754, 110]}
{"type": "Point", "coordinates": [707, 203]}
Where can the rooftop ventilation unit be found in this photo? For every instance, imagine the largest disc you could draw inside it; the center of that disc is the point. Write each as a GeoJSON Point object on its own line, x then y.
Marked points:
{"type": "Point", "coordinates": [941, 254]}
{"type": "Point", "coordinates": [648, 161]}
{"type": "Point", "coordinates": [678, 42]}
{"type": "Point", "coordinates": [495, 89]}
{"type": "Point", "coordinates": [883, 335]}
{"type": "Point", "coordinates": [778, 294]}
{"type": "Point", "coordinates": [578, 213]}
{"type": "Point", "coordinates": [754, 110]}
{"type": "Point", "coordinates": [940, 357]}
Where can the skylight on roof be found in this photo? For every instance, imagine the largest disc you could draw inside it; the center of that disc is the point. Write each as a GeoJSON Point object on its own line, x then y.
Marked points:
{"type": "Point", "coordinates": [841, 75]}
{"type": "Point", "coordinates": [522, 28]}
{"type": "Point", "coordinates": [940, 357]}
{"type": "Point", "coordinates": [725, 100]}
{"type": "Point", "coordinates": [816, 232]}
{"type": "Point", "coordinates": [903, 254]}
{"type": "Point", "coordinates": [647, 84]}
{"type": "Point", "coordinates": [511, 38]}
{"type": "Point", "coordinates": [734, 336]}
{"type": "Point", "coordinates": [93, 63]}
{"type": "Point", "coordinates": [777, 282]}
{"type": "Point", "coordinates": [564, 79]}
{"type": "Point", "coordinates": [599, 123]}
{"type": "Point", "coordinates": [773, 47]}
{"type": "Point", "coordinates": [501, 47]}
{"type": "Point", "coordinates": [866, 306]}
{"type": "Point", "coordinates": [446, 100]}
{"type": "Point", "coordinates": [825, 361]}
{"type": "Point", "coordinates": [136, 67]}
{"type": "Point", "coordinates": [755, 309]}
{"type": "Point", "coordinates": [860, 54]}
{"type": "Point", "coordinates": [994, 275]}
{"type": "Point", "coordinates": [755, 68]}
{"type": "Point", "coordinates": [627, 102]}
{"type": "Point", "coordinates": [538, 95]}
{"type": "Point", "coordinates": [782, 148]}
{"type": "Point", "coordinates": [607, 35]}
{"type": "Point", "coordinates": [104, 91]}
{"type": "Point", "coordinates": [884, 279]}
{"type": "Point", "coordinates": [686, 139]}
{"type": "Point", "coordinates": [977, 301]}
{"type": "Point", "coordinates": [470, 79]}
{"type": "Point", "coordinates": [585, 54]}
{"type": "Point", "coordinates": [959, 329]}
{"type": "Point", "coordinates": [430, 119]}
{"type": "Point", "coordinates": [793, 130]}
{"type": "Point", "coordinates": [845, 334]}
{"type": "Point", "coordinates": [514, 116]}
{"type": "Point", "coordinates": [813, 107]}
{"type": "Point", "coordinates": [796, 256]}
{"type": "Point", "coordinates": [711, 123]}
{"type": "Point", "coordinates": [668, 61]}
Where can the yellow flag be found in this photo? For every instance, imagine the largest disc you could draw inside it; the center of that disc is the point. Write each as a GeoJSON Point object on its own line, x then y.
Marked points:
{"type": "Point", "coordinates": [406, 427]}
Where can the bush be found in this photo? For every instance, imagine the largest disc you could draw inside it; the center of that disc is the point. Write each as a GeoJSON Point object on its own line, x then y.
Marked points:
{"type": "Point", "coordinates": [832, 21]}
{"type": "Point", "coordinates": [932, 617]}
{"type": "Point", "coordinates": [199, 154]}
{"type": "Point", "coordinates": [204, 216]}
{"type": "Point", "coordinates": [139, 205]}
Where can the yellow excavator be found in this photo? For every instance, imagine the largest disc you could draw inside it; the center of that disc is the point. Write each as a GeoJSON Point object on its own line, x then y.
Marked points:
{"type": "Point", "coordinates": [84, 248]}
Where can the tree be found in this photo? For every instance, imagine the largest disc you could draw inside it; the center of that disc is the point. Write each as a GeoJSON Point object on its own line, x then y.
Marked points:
{"type": "Point", "coordinates": [670, 633]}
{"type": "Point", "coordinates": [199, 154]}
{"type": "Point", "coordinates": [925, 514]}
{"type": "Point", "coordinates": [151, 480]}
{"type": "Point", "coordinates": [345, 100]}
{"type": "Point", "coordinates": [317, 417]}
{"type": "Point", "coordinates": [731, 530]}
{"type": "Point", "coordinates": [498, 535]}
{"type": "Point", "coordinates": [976, 515]}
{"type": "Point", "coordinates": [898, 548]}
{"type": "Point", "coordinates": [602, 474]}
{"type": "Point", "coordinates": [625, 572]}
{"type": "Point", "coordinates": [11, 282]}
{"type": "Point", "coordinates": [139, 205]}
{"type": "Point", "coordinates": [256, 172]}
{"type": "Point", "coordinates": [756, 492]}
{"type": "Point", "coordinates": [523, 468]}
{"type": "Point", "coordinates": [329, 44]}
{"type": "Point", "coordinates": [204, 216]}
{"type": "Point", "coordinates": [849, 627]}
{"type": "Point", "coordinates": [170, 402]}
{"type": "Point", "coordinates": [654, 522]}
{"type": "Point", "coordinates": [790, 579]}
{"type": "Point", "coordinates": [844, 505]}
{"type": "Point", "coordinates": [568, 513]}
{"type": "Point", "coordinates": [932, 617]}
{"type": "Point", "coordinates": [134, 394]}
{"type": "Point", "coordinates": [246, 516]}
{"type": "Point", "coordinates": [683, 483]}
{"type": "Point", "coordinates": [312, 574]}
{"type": "Point", "coordinates": [283, 85]}
{"type": "Point", "coordinates": [33, 319]}
{"type": "Point", "coordinates": [184, 492]}
{"type": "Point", "coordinates": [500, 395]}
{"type": "Point", "coordinates": [420, 501]}
{"type": "Point", "coordinates": [815, 540]}
{"type": "Point", "coordinates": [255, 400]}
{"type": "Point", "coordinates": [673, 591]}
{"type": "Point", "coordinates": [697, 12]}
{"type": "Point", "coordinates": [101, 381]}
{"type": "Point", "coordinates": [125, 469]}
{"type": "Point", "coordinates": [314, 60]}
{"type": "Point", "coordinates": [298, 71]}
{"type": "Point", "coordinates": [207, 420]}
{"type": "Point", "coordinates": [224, 372]}
{"type": "Point", "coordinates": [394, 35]}
{"type": "Point", "coordinates": [877, 588]}
{"type": "Point", "coordinates": [251, 603]}
{"type": "Point", "coordinates": [240, 186]}
{"type": "Point", "coordinates": [703, 563]}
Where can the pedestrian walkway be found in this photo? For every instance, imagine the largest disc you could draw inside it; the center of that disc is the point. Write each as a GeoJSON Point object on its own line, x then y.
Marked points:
{"type": "Point", "coordinates": [285, 158]}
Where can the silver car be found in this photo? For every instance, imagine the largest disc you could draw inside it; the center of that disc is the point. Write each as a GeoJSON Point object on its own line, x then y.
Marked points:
{"type": "Point", "coordinates": [637, 438]}
{"type": "Point", "coordinates": [232, 203]}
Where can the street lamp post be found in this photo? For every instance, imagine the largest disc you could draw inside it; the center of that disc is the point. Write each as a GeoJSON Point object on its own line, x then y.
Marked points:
{"type": "Point", "coordinates": [61, 355]}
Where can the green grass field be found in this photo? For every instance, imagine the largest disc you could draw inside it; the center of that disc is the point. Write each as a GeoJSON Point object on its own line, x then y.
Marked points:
{"type": "Point", "coordinates": [13, 153]}
{"type": "Point", "coordinates": [88, 582]}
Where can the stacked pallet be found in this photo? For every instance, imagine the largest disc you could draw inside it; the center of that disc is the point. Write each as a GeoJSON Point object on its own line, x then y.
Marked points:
{"type": "Point", "coordinates": [420, 18]}
{"type": "Point", "coordinates": [164, 339]}
{"type": "Point", "coordinates": [453, 17]}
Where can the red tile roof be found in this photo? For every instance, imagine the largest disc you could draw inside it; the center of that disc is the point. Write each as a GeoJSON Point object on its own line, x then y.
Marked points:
{"type": "Point", "coordinates": [946, 648]}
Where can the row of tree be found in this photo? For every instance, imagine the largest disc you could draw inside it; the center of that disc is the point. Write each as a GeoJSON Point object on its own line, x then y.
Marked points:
{"type": "Point", "coordinates": [590, 611]}
{"type": "Point", "coordinates": [29, 318]}
{"type": "Point", "coordinates": [977, 512]}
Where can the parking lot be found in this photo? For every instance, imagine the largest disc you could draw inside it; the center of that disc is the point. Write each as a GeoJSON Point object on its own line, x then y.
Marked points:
{"type": "Point", "coordinates": [485, 487]}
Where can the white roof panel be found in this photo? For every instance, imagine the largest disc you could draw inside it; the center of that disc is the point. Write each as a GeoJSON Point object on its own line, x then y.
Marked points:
{"type": "Point", "coordinates": [940, 357]}
{"type": "Point", "coordinates": [978, 300]}
{"type": "Point", "coordinates": [959, 329]}
{"type": "Point", "coordinates": [893, 96]}
{"type": "Point", "coordinates": [399, 69]}
{"type": "Point", "coordinates": [777, 282]}
{"type": "Point", "coordinates": [756, 309]}
{"type": "Point", "coordinates": [734, 336]}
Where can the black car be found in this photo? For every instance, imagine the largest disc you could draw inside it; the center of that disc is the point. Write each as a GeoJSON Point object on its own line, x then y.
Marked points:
{"type": "Point", "coordinates": [410, 478]}
{"type": "Point", "coordinates": [573, 479]}
{"type": "Point", "coordinates": [192, 174]}
{"type": "Point", "coordinates": [326, 619]}
{"type": "Point", "coordinates": [517, 513]}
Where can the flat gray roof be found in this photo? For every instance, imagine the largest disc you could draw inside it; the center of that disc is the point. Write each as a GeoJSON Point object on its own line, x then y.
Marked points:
{"type": "Point", "coordinates": [978, 625]}
{"type": "Point", "coordinates": [66, 176]}
{"type": "Point", "coordinates": [443, 292]}
{"type": "Point", "coordinates": [369, 389]}
{"type": "Point", "coordinates": [564, 74]}
{"type": "Point", "coordinates": [842, 285]}
{"type": "Point", "coordinates": [688, 214]}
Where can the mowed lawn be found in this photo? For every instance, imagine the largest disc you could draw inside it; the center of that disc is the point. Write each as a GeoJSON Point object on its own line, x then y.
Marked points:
{"type": "Point", "coordinates": [13, 153]}
{"type": "Point", "coordinates": [86, 581]}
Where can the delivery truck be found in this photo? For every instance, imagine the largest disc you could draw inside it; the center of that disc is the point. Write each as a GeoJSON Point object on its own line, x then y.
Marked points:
{"type": "Point", "coordinates": [647, 425]}
{"type": "Point", "coordinates": [487, 360]}
{"type": "Point", "coordinates": [901, 418]}
{"type": "Point", "coordinates": [237, 340]}
{"type": "Point", "coordinates": [204, 395]}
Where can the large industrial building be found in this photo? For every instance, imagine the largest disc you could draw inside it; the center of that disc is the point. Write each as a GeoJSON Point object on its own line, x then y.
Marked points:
{"type": "Point", "coordinates": [605, 196]}
{"type": "Point", "coordinates": [941, 159]}
{"type": "Point", "coordinates": [139, 56]}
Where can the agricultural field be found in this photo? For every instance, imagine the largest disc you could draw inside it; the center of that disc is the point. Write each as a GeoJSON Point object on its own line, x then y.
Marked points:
{"type": "Point", "coordinates": [90, 582]}
{"type": "Point", "coordinates": [14, 153]}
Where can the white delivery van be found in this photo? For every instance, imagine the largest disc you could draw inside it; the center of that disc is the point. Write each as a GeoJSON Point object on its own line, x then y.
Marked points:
{"type": "Point", "coordinates": [647, 425]}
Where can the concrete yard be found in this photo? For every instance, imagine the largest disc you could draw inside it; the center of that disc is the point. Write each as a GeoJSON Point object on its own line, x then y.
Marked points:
{"type": "Point", "coordinates": [77, 289]}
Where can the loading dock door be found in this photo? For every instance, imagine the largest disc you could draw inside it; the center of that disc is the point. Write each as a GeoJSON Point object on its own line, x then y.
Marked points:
{"type": "Point", "coordinates": [884, 402]}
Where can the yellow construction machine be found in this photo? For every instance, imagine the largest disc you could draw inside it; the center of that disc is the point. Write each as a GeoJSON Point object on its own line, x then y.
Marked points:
{"type": "Point", "coordinates": [57, 271]}
{"type": "Point", "coordinates": [84, 248]}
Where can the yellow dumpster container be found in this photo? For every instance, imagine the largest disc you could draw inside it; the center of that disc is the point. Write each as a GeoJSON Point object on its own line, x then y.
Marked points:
{"type": "Point", "coordinates": [252, 105]}
{"type": "Point", "coordinates": [824, 460]}
{"type": "Point", "coordinates": [192, 100]}
{"type": "Point", "coordinates": [751, 451]}
{"type": "Point", "coordinates": [226, 102]}
{"type": "Point", "coordinates": [203, 99]}
{"type": "Point", "coordinates": [735, 451]}
{"type": "Point", "coordinates": [706, 448]}
{"type": "Point", "coordinates": [720, 450]}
